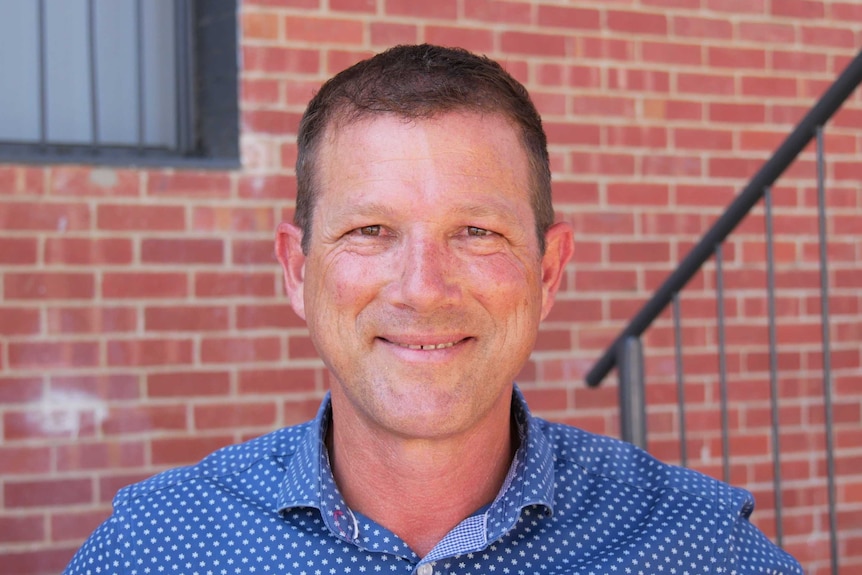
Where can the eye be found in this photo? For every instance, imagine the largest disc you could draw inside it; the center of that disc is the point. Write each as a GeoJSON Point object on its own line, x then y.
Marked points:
{"type": "Point", "coordinates": [368, 231]}
{"type": "Point", "coordinates": [478, 232]}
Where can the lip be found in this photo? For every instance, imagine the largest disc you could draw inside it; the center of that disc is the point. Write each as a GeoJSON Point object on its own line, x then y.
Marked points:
{"type": "Point", "coordinates": [423, 345]}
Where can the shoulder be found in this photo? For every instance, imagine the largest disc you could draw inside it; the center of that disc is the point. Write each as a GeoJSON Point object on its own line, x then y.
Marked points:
{"type": "Point", "coordinates": [616, 461]}
{"type": "Point", "coordinates": [263, 455]}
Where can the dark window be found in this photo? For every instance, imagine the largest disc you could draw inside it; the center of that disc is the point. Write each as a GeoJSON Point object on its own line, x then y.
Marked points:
{"type": "Point", "coordinates": [119, 81]}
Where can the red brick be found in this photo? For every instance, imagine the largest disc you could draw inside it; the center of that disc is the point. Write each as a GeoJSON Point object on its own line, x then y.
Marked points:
{"type": "Point", "coordinates": [236, 350]}
{"type": "Point", "coordinates": [806, 9]}
{"type": "Point", "coordinates": [705, 84]}
{"type": "Point", "coordinates": [44, 216]}
{"type": "Point", "coordinates": [639, 252]}
{"type": "Point", "coordinates": [274, 122]}
{"type": "Point", "coordinates": [567, 17]}
{"type": "Point", "coordinates": [100, 455]}
{"type": "Point", "coordinates": [447, 9]}
{"type": "Point", "coordinates": [770, 86]}
{"type": "Point", "coordinates": [186, 450]}
{"type": "Point", "coordinates": [98, 182]}
{"type": "Point", "coordinates": [76, 525]}
{"type": "Point", "coordinates": [188, 384]}
{"type": "Point", "coordinates": [301, 347]}
{"type": "Point", "coordinates": [69, 320]}
{"type": "Point", "coordinates": [474, 39]}
{"type": "Point", "coordinates": [638, 194]}
{"type": "Point", "coordinates": [260, 26]}
{"type": "Point", "coordinates": [572, 133]}
{"type": "Point", "coordinates": [87, 251]}
{"type": "Point", "coordinates": [108, 486]}
{"type": "Point", "coordinates": [608, 48]}
{"type": "Point", "coordinates": [134, 217]}
{"type": "Point", "coordinates": [844, 11]}
{"type": "Point", "coordinates": [42, 561]}
{"type": "Point", "coordinates": [636, 136]}
{"type": "Point", "coordinates": [268, 187]}
{"type": "Point", "coordinates": [668, 53]}
{"type": "Point", "coordinates": [186, 318]}
{"type": "Point", "coordinates": [260, 91]}
{"type": "Point", "coordinates": [144, 419]}
{"type": "Point", "coordinates": [328, 30]}
{"type": "Point", "coordinates": [182, 251]}
{"type": "Point", "coordinates": [703, 139]}
{"type": "Point", "coordinates": [662, 109]}
{"type": "Point", "coordinates": [338, 60]}
{"type": "Point", "coordinates": [391, 34]}
{"type": "Point", "coordinates": [47, 493]}
{"type": "Point", "coordinates": [768, 32]}
{"type": "Point", "coordinates": [267, 316]}
{"type": "Point", "coordinates": [188, 184]}
{"type": "Point", "coordinates": [75, 421]}
{"type": "Point", "coordinates": [697, 27]}
{"type": "Point", "coordinates": [735, 58]}
{"type": "Point", "coordinates": [639, 80]}
{"type": "Point", "coordinates": [737, 113]}
{"type": "Point", "coordinates": [637, 22]}
{"type": "Point", "coordinates": [575, 311]}
{"type": "Point", "coordinates": [299, 411]}
{"type": "Point", "coordinates": [615, 280]}
{"type": "Point", "coordinates": [533, 44]}
{"type": "Point", "coordinates": [799, 61]}
{"type": "Point", "coordinates": [238, 414]}
{"type": "Point", "coordinates": [25, 460]}
{"type": "Point", "coordinates": [22, 529]}
{"type": "Point", "coordinates": [274, 381]}
{"type": "Point", "coordinates": [251, 252]}
{"type": "Point", "coordinates": [279, 60]}
{"type": "Point", "coordinates": [828, 36]}
{"type": "Point", "coordinates": [225, 284]}
{"type": "Point", "coordinates": [601, 163]}
{"type": "Point", "coordinates": [113, 386]}
{"type": "Point", "coordinates": [369, 6]}
{"type": "Point", "coordinates": [738, 6]}
{"type": "Point", "coordinates": [48, 285]}
{"type": "Point", "coordinates": [233, 219]}
{"type": "Point", "coordinates": [48, 355]}
{"type": "Point", "coordinates": [19, 321]}
{"type": "Point", "coordinates": [734, 167]}
{"type": "Point", "coordinates": [552, 340]}
{"type": "Point", "coordinates": [20, 389]}
{"type": "Point", "coordinates": [18, 251]}
{"type": "Point", "coordinates": [144, 352]}
{"type": "Point", "coordinates": [604, 106]}
{"type": "Point", "coordinates": [144, 285]}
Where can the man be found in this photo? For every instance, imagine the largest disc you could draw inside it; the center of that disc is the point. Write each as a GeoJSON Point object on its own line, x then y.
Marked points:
{"type": "Point", "coordinates": [423, 257]}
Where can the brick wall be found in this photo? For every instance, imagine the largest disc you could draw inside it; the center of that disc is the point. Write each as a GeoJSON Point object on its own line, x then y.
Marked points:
{"type": "Point", "coordinates": [142, 321]}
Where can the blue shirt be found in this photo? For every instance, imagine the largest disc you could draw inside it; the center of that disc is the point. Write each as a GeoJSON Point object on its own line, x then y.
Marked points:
{"type": "Point", "coordinates": [572, 502]}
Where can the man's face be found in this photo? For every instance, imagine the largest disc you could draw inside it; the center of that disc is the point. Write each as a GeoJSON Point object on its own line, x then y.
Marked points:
{"type": "Point", "coordinates": [423, 286]}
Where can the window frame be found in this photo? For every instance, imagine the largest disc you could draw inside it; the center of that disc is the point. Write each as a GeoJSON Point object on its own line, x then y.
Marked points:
{"type": "Point", "coordinates": [207, 102]}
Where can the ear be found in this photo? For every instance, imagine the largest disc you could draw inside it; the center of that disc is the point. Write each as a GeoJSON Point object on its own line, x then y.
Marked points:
{"type": "Point", "coordinates": [559, 246]}
{"type": "Point", "coordinates": [288, 249]}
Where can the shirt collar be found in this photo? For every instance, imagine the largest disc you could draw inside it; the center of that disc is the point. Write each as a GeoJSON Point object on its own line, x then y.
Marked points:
{"type": "Point", "coordinates": [308, 480]}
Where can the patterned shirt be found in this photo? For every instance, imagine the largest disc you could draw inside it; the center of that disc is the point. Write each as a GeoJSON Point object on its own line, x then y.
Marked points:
{"type": "Point", "coordinates": [572, 502]}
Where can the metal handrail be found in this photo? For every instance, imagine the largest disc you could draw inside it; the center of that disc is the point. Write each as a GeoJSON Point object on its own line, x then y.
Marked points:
{"type": "Point", "coordinates": [784, 156]}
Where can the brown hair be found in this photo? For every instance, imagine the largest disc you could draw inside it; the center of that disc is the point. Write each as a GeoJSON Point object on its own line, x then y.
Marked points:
{"type": "Point", "coordinates": [416, 82]}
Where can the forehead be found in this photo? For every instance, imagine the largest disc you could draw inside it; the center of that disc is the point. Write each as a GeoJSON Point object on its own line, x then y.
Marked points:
{"type": "Point", "coordinates": [468, 144]}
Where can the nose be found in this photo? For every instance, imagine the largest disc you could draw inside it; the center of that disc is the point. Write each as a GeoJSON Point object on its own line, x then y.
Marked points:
{"type": "Point", "coordinates": [428, 275]}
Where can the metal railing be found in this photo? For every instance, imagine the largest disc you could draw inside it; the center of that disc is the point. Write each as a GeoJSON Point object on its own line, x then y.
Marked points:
{"type": "Point", "coordinates": [626, 352]}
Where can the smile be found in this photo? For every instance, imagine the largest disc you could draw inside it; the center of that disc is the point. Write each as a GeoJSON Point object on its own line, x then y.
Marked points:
{"type": "Point", "coordinates": [426, 347]}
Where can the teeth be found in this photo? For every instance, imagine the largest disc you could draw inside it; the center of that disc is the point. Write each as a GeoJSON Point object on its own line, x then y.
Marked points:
{"type": "Point", "coordinates": [426, 347]}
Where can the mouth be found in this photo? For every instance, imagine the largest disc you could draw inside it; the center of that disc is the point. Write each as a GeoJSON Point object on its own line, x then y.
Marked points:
{"type": "Point", "coordinates": [424, 346]}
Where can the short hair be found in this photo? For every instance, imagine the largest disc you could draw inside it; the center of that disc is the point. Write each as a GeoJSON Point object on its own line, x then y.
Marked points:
{"type": "Point", "coordinates": [420, 82]}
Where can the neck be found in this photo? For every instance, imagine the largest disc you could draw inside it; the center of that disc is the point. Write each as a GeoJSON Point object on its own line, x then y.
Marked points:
{"type": "Point", "coordinates": [419, 489]}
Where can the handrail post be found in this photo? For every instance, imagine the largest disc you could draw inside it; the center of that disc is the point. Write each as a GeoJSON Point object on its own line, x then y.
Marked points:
{"type": "Point", "coordinates": [630, 367]}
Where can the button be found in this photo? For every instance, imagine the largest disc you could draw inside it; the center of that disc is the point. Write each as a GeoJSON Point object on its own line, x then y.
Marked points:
{"type": "Point", "coordinates": [426, 569]}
